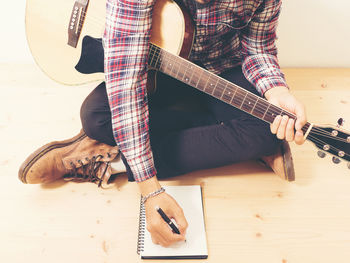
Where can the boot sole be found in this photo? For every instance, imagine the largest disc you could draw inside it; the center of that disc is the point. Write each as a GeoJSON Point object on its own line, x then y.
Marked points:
{"type": "Point", "coordinates": [36, 155]}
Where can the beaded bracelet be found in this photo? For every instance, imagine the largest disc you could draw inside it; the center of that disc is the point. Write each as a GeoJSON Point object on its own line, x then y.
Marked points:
{"type": "Point", "coordinates": [157, 192]}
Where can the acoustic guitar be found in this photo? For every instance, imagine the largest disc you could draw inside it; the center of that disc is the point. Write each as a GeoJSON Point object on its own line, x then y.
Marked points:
{"type": "Point", "coordinates": [65, 40]}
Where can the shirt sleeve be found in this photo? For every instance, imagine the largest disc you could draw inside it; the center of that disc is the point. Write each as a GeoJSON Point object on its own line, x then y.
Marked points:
{"type": "Point", "coordinates": [126, 43]}
{"type": "Point", "coordinates": [260, 65]}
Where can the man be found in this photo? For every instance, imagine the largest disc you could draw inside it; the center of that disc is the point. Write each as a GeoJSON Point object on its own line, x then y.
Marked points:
{"type": "Point", "coordinates": [234, 39]}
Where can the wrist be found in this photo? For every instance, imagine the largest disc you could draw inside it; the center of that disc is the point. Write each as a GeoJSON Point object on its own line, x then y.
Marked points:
{"type": "Point", "coordinates": [144, 198]}
{"type": "Point", "coordinates": [275, 91]}
{"type": "Point", "coordinates": [149, 186]}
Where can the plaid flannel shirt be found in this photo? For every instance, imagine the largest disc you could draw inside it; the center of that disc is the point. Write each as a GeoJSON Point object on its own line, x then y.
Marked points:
{"type": "Point", "coordinates": [228, 33]}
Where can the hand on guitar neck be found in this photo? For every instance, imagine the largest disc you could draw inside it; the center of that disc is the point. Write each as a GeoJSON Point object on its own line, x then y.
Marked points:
{"type": "Point", "coordinates": [283, 126]}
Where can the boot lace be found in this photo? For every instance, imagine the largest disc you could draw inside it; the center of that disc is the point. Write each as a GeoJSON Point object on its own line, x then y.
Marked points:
{"type": "Point", "coordinates": [89, 170]}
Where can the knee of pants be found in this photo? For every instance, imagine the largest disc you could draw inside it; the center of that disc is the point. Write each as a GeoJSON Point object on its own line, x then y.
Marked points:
{"type": "Point", "coordinates": [87, 120]}
{"type": "Point", "coordinates": [96, 124]}
{"type": "Point", "coordinates": [254, 135]}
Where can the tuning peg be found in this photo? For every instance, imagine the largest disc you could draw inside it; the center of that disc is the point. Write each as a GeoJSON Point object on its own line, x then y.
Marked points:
{"type": "Point", "coordinates": [321, 154]}
{"type": "Point", "coordinates": [335, 160]}
{"type": "Point", "coordinates": [340, 122]}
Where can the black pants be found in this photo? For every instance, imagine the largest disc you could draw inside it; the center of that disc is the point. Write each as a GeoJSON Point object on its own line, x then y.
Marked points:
{"type": "Point", "coordinates": [189, 130]}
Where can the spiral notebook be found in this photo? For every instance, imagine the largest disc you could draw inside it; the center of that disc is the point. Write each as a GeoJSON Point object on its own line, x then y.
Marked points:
{"type": "Point", "coordinates": [195, 247]}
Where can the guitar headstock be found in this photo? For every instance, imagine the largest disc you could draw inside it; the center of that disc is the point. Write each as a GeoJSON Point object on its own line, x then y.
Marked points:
{"type": "Point", "coordinates": [332, 140]}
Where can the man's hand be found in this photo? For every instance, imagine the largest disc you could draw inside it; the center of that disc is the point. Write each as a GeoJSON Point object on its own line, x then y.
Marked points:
{"type": "Point", "coordinates": [160, 232]}
{"type": "Point", "coordinates": [283, 126]}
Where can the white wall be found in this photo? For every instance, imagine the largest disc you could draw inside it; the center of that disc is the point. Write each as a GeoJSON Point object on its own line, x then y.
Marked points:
{"type": "Point", "coordinates": [312, 33]}
{"type": "Point", "coordinates": [13, 41]}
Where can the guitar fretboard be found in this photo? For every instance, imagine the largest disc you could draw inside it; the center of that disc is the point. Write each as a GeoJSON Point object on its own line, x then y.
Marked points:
{"type": "Point", "coordinates": [199, 78]}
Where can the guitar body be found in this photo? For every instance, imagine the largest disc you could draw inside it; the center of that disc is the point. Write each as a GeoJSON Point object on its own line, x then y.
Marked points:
{"type": "Point", "coordinates": [47, 29]}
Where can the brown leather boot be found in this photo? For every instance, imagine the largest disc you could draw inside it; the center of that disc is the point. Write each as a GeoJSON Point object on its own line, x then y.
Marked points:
{"type": "Point", "coordinates": [78, 158]}
{"type": "Point", "coordinates": [281, 162]}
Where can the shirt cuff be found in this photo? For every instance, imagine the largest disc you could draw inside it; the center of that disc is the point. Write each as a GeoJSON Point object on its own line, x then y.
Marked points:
{"type": "Point", "coordinates": [266, 83]}
{"type": "Point", "coordinates": [263, 72]}
{"type": "Point", "coordinates": [142, 168]}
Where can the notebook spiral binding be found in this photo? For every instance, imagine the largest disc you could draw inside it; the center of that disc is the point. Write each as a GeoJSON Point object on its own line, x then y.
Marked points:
{"type": "Point", "coordinates": [142, 228]}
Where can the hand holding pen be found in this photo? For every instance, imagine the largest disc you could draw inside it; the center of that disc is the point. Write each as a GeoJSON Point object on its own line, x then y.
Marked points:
{"type": "Point", "coordinates": [168, 220]}
{"type": "Point", "coordinates": [160, 231]}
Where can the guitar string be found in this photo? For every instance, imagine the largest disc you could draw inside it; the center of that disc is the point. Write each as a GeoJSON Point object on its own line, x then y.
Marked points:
{"type": "Point", "coordinates": [322, 143]}
{"type": "Point", "coordinates": [275, 110]}
{"type": "Point", "coordinates": [257, 108]}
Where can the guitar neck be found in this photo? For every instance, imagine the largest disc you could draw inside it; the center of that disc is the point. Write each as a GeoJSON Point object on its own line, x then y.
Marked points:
{"type": "Point", "coordinates": [201, 79]}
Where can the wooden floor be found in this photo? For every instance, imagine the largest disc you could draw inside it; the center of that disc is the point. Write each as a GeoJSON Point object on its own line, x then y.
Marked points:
{"type": "Point", "coordinates": [251, 215]}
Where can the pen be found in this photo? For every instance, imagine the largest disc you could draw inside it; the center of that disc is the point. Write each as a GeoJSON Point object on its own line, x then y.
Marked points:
{"type": "Point", "coordinates": [167, 220]}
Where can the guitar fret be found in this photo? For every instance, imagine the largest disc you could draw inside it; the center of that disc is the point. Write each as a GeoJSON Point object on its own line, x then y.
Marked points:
{"type": "Point", "coordinates": [238, 98]}
{"type": "Point", "coordinates": [258, 111]}
{"type": "Point", "coordinates": [255, 104]}
{"type": "Point", "coordinates": [168, 64]}
{"type": "Point", "coordinates": [226, 97]}
{"type": "Point", "coordinates": [190, 77]}
{"type": "Point", "coordinates": [175, 69]}
{"type": "Point", "coordinates": [202, 82]}
{"type": "Point", "coordinates": [248, 103]}
{"type": "Point", "coordinates": [271, 114]}
{"type": "Point", "coordinates": [263, 117]}
{"type": "Point", "coordinates": [181, 73]}
{"type": "Point", "coordinates": [222, 94]}
{"type": "Point", "coordinates": [158, 58]}
{"type": "Point", "coordinates": [199, 78]}
{"type": "Point", "coordinates": [243, 100]}
{"type": "Point", "coordinates": [206, 83]}
{"type": "Point", "coordinates": [233, 96]}
{"type": "Point", "coordinates": [194, 78]}
{"type": "Point", "coordinates": [215, 92]}
{"type": "Point", "coordinates": [152, 60]}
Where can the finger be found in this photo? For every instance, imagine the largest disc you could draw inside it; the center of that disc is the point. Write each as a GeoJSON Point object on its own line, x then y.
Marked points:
{"type": "Point", "coordinates": [301, 116]}
{"type": "Point", "coordinates": [163, 242]}
{"type": "Point", "coordinates": [299, 137]}
{"type": "Point", "coordinates": [276, 122]}
{"type": "Point", "coordinates": [181, 222]}
{"type": "Point", "coordinates": [281, 132]}
{"type": "Point", "coordinates": [290, 130]}
{"type": "Point", "coordinates": [156, 238]}
{"type": "Point", "coordinates": [169, 236]}
{"type": "Point", "coordinates": [159, 239]}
